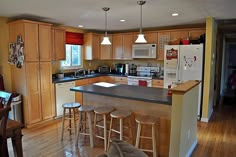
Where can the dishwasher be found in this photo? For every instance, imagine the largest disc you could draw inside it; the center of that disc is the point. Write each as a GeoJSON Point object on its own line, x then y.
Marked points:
{"type": "Point", "coordinates": [63, 95]}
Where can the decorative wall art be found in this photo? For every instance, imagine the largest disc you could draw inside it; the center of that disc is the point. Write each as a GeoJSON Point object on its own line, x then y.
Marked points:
{"type": "Point", "coordinates": [16, 53]}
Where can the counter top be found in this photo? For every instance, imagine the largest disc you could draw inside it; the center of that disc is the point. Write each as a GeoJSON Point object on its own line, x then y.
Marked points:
{"type": "Point", "coordinates": [140, 93]}
{"type": "Point", "coordinates": [69, 78]}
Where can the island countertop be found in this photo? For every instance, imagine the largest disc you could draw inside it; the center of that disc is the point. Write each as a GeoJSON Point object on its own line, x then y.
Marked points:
{"type": "Point", "coordinates": [140, 93]}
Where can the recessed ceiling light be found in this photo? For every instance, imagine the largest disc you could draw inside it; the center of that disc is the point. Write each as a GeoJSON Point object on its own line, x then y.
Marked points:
{"type": "Point", "coordinates": [175, 14]}
{"type": "Point", "coordinates": [122, 20]}
{"type": "Point", "coordinates": [80, 26]}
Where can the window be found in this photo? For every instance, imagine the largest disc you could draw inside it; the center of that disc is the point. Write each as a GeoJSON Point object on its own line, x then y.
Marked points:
{"type": "Point", "coordinates": [73, 57]}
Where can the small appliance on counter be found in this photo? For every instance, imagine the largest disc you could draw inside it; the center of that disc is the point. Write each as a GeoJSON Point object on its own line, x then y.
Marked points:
{"type": "Point", "coordinates": [133, 69]}
{"type": "Point", "coordinates": [120, 68]}
{"type": "Point", "coordinates": [127, 69]}
{"type": "Point", "coordinates": [104, 69]}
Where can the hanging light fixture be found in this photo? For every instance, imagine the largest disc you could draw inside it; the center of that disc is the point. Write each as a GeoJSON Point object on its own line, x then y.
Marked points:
{"type": "Point", "coordinates": [141, 38]}
{"type": "Point", "coordinates": [106, 40]}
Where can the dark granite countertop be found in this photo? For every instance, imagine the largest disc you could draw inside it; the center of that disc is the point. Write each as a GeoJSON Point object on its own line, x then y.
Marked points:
{"type": "Point", "coordinates": [140, 93]}
{"type": "Point", "coordinates": [71, 78]}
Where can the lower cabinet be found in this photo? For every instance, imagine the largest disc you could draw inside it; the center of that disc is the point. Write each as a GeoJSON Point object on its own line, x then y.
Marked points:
{"type": "Point", "coordinates": [38, 92]}
{"type": "Point", "coordinates": [120, 80]}
{"type": "Point", "coordinates": [157, 83]}
{"type": "Point", "coordinates": [79, 95]}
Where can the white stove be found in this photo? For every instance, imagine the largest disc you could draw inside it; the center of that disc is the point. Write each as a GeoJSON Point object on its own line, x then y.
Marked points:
{"type": "Point", "coordinates": [143, 77]}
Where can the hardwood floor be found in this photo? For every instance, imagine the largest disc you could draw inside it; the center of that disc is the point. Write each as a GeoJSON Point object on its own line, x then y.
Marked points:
{"type": "Point", "coordinates": [215, 139]}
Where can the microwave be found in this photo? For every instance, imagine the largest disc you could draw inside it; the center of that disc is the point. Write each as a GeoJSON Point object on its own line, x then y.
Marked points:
{"type": "Point", "coordinates": [144, 51]}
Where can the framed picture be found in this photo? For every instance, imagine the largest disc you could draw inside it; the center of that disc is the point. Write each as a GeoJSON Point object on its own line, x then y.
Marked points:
{"type": "Point", "coordinates": [16, 54]}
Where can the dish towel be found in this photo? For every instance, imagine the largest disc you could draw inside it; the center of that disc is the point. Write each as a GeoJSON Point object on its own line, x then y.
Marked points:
{"type": "Point", "coordinates": [142, 83]}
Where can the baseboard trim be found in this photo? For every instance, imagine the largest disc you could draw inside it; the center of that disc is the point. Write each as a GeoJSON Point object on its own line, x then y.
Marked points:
{"type": "Point", "coordinates": [191, 148]}
{"type": "Point", "coordinates": [206, 120]}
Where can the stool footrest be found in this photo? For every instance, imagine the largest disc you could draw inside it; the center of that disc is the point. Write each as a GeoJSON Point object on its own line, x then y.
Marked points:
{"type": "Point", "coordinates": [100, 137]}
{"type": "Point", "coordinates": [146, 137]}
{"type": "Point", "coordinates": [146, 150]}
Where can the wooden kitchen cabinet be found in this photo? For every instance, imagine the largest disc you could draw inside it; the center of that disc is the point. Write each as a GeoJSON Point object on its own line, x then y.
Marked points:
{"type": "Point", "coordinates": [178, 35]}
{"type": "Point", "coordinates": [157, 83]}
{"type": "Point", "coordinates": [94, 80]}
{"type": "Point", "coordinates": [79, 95]}
{"type": "Point", "coordinates": [120, 80]}
{"type": "Point", "coordinates": [105, 50]}
{"type": "Point", "coordinates": [109, 79]}
{"type": "Point", "coordinates": [92, 46]}
{"type": "Point", "coordinates": [163, 39]}
{"type": "Point", "coordinates": [151, 37]}
{"type": "Point", "coordinates": [122, 46]}
{"type": "Point", "coordinates": [195, 34]}
{"type": "Point", "coordinates": [34, 79]}
{"type": "Point", "coordinates": [58, 44]}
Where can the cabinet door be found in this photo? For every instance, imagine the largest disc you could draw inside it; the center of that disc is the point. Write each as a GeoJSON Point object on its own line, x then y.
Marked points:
{"type": "Point", "coordinates": [96, 46]}
{"type": "Point", "coordinates": [195, 34]}
{"type": "Point", "coordinates": [33, 89]}
{"type": "Point", "coordinates": [94, 80]}
{"type": "Point", "coordinates": [178, 35]}
{"type": "Point", "coordinates": [45, 84]}
{"type": "Point", "coordinates": [59, 44]}
{"type": "Point", "coordinates": [127, 46]}
{"type": "Point", "coordinates": [45, 43]}
{"type": "Point", "coordinates": [163, 39]}
{"type": "Point", "coordinates": [79, 95]}
{"type": "Point", "coordinates": [117, 47]}
{"type": "Point", "coordinates": [151, 37]}
{"type": "Point", "coordinates": [157, 83]}
{"type": "Point", "coordinates": [31, 50]}
{"type": "Point", "coordinates": [105, 50]}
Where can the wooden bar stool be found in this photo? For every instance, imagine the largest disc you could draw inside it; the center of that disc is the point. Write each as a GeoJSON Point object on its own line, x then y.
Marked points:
{"type": "Point", "coordinates": [121, 115]}
{"type": "Point", "coordinates": [87, 110]}
{"type": "Point", "coordinates": [104, 112]}
{"type": "Point", "coordinates": [146, 120]}
{"type": "Point", "coordinates": [71, 106]}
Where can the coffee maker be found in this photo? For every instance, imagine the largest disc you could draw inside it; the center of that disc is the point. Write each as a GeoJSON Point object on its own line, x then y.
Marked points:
{"type": "Point", "coordinates": [120, 68]}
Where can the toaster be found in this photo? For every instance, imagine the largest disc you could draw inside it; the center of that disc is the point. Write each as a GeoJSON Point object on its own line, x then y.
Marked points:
{"type": "Point", "coordinates": [104, 69]}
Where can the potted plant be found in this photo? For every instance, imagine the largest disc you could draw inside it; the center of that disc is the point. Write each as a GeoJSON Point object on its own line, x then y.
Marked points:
{"type": "Point", "coordinates": [60, 74]}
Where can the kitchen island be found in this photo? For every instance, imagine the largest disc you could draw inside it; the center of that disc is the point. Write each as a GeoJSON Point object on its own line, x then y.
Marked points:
{"type": "Point", "coordinates": [141, 101]}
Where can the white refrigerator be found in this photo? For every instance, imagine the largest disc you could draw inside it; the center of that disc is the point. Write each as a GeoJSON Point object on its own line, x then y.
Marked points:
{"type": "Point", "coordinates": [183, 63]}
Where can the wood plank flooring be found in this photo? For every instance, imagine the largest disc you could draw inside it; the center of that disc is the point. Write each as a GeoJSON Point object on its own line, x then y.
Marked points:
{"type": "Point", "coordinates": [215, 139]}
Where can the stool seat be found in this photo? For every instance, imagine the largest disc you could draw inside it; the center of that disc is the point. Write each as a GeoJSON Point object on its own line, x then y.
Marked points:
{"type": "Point", "coordinates": [71, 105]}
{"type": "Point", "coordinates": [146, 120]}
{"type": "Point", "coordinates": [120, 114]}
{"type": "Point", "coordinates": [103, 110]}
{"type": "Point", "coordinates": [86, 108]}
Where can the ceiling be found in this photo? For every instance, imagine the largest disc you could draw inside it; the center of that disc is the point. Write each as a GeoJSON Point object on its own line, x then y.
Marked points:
{"type": "Point", "coordinates": [89, 13]}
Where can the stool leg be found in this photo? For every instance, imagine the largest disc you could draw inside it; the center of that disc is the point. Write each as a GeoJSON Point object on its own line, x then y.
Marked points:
{"type": "Point", "coordinates": [105, 132]}
{"type": "Point", "coordinates": [63, 123]}
{"type": "Point", "coordinates": [74, 120]}
{"type": "Point", "coordinates": [70, 120]}
{"type": "Point", "coordinates": [121, 129]}
{"type": "Point", "coordinates": [154, 141]}
{"type": "Point", "coordinates": [109, 135]}
{"type": "Point", "coordinates": [138, 135]}
{"type": "Point", "coordinates": [78, 128]}
{"type": "Point", "coordinates": [131, 130]}
{"type": "Point", "coordinates": [94, 124]}
{"type": "Point", "coordinates": [90, 129]}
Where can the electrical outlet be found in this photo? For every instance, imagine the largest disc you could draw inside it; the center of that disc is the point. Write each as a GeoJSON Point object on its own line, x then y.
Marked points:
{"type": "Point", "coordinates": [90, 64]}
{"type": "Point", "coordinates": [188, 134]}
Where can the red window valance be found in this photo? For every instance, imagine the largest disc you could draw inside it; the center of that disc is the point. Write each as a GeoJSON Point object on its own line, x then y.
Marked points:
{"type": "Point", "coordinates": [74, 38]}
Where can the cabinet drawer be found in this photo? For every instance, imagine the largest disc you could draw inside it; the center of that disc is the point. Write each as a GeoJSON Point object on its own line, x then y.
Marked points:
{"type": "Point", "coordinates": [157, 83]}
{"type": "Point", "coordinates": [120, 79]}
{"type": "Point", "coordinates": [81, 82]}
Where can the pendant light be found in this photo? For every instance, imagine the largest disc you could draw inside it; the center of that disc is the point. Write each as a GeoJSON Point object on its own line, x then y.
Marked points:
{"type": "Point", "coordinates": [141, 38]}
{"type": "Point", "coordinates": [106, 40]}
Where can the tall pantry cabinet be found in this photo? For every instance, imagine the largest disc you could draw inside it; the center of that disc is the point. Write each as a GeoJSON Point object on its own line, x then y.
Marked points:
{"type": "Point", "coordinates": [34, 79]}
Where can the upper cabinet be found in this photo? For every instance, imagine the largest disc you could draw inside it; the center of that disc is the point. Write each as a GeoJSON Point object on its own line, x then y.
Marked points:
{"type": "Point", "coordinates": [59, 41]}
{"type": "Point", "coordinates": [37, 35]}
{"type": "Point", "coordinates": [163, 39]}
{"type": "Point", "coordinates": [122, 46]}
{"type": "Point", "coordinates": [178, 35]}
{"type": "Point", "coordinates": [91, 46]}
{"type": "Point", "coordinates": [105, 50]}
{"type": "Point", "coordinates": [195, 34]}
{"type": "Point", "coordinates": [151, 37]}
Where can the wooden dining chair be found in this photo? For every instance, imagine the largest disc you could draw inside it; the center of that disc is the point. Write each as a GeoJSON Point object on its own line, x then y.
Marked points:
{"type": "Point", "coordinates": [13, 128]}
{"type": "Point", "coordinates": [3, 127]}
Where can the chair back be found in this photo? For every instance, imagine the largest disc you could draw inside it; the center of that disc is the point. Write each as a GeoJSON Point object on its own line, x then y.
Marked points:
{"type": "Point", "coordinates": [3, 126]}
{"type": "Point", "coordinates": [5, 99]}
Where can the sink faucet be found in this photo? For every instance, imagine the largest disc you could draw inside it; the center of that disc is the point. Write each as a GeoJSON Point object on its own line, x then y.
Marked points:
{"type": "Point", "coordinates": [80, 72]}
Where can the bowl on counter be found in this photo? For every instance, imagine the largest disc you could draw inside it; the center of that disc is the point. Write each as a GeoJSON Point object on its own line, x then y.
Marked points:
{"type": "Point", "coordinates": [60, 75]}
